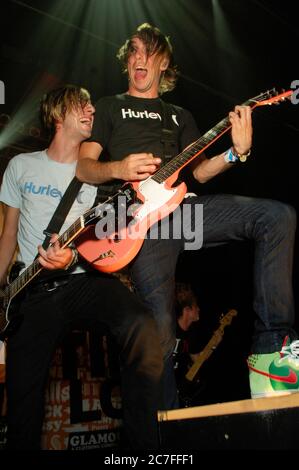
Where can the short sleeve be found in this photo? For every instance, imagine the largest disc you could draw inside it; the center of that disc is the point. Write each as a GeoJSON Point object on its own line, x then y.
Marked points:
{"type": "Point", "coordinates": [102, 126]}
{"type": "Point", "coordinates": [10, 193]}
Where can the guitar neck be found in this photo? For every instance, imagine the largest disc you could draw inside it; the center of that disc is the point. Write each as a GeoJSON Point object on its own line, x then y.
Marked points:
{"type": "Point", "coordinates": [23, 279]}
{"type": "Point", "coordinates": [205, 354]}
{"type": "Point", "coordinates": [64, 239]}
{"type": "Point", "coordinates": [184, 158]}
{"type": "Point", "coordinates": [35, 268]}
{"type": "Point", "coordinates": [212, 344]}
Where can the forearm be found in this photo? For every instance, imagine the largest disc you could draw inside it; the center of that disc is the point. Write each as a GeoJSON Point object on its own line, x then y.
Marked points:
{"type": "Point", "coordinates": [208, 168]}
{"type": "Point", "coordinates": [96, 172]}
{"type": "Point", "coordinates": [134, 167]}
{"type": "Point", "coordinates": [241, 134]}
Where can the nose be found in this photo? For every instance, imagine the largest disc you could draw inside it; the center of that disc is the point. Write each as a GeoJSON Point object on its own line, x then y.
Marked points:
{"type": "Point", "coordinates": [141, 55]}
{"type": "Point", "coordinates": [89, 109]}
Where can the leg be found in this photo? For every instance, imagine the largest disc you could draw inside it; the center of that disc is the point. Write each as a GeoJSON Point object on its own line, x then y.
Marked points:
{"type": "Point", "coordinates": [153, 274]}
{"type": "Point", "coordinates": [29, 353]}
{"type": "Point", "coordinates": [105, 299]}
{"type": "Point", "coordinates": [271, 225]}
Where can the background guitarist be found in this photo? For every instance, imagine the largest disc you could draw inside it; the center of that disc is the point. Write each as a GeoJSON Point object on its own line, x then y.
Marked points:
{"type": "Point", "coordinates": [32, 186]}
{"type": "Point", "coordinates": [188, 344]}
{"type": "Point", "coordinates": [128, 132]}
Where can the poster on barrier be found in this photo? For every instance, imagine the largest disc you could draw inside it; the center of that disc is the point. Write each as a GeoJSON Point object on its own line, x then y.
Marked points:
{"type": "Point", "coordinates": [82, 397]}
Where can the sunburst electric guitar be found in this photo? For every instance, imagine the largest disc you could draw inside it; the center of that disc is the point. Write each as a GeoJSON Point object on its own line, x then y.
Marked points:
{"type": "Point", "coordinates": [113, 245]}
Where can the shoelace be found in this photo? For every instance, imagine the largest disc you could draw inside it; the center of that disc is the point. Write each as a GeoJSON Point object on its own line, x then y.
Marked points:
{"type": "Point", "coordinates": [292, 350]}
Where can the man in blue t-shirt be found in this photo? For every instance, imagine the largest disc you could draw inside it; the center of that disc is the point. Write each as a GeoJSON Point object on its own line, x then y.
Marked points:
{"type": "Point", "coordinates": [65, 292]}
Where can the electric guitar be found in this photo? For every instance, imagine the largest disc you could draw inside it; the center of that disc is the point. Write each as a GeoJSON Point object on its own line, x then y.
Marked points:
{"type": "Point", "coordinates": [190, 387]}
{"type": "Point", "coordinates": [9, 316]}
{"type": "Point", "coordinates": [151, 200]}
{"type": "Point", "coordinates": [211, 346]}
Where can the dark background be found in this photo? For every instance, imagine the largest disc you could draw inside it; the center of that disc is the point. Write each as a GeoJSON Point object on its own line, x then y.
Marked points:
{"type": "Point", "coordinates": [227, 51]}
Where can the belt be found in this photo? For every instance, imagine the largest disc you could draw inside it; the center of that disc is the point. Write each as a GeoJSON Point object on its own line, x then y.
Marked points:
{"type": "Point", "coordinates": [50, 285]}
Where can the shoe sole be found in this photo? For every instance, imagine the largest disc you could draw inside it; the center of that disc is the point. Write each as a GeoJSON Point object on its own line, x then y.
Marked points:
{"type": "Point", "coordinates": [273, 394]}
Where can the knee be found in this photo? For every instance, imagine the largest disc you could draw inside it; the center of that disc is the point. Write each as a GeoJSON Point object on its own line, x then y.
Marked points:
{"type": "Point", "coordinates": [279, 216]}
{"type": "Point", "coordinates": [284, 216]}
{"type": "Point", "coordinates": [142, 348]}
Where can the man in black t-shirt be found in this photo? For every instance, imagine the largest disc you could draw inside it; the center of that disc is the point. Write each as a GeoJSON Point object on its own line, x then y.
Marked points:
{"type": "Point", "coordinates": [128, 130]}
{"type": "Point", "coordinates": [187, 345]}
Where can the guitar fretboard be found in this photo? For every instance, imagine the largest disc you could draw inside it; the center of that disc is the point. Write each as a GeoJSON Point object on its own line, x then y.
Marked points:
{"type": "Point", "coordinates": [182, 159]}
{"type": "Point", "coordinates": [64, 239]}
{"type": "Point", "coordinates": [29, 273]}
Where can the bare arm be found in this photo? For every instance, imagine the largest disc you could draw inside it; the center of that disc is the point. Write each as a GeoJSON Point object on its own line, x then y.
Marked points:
{"type": "Point", "coordinates": [204, 169]}
{"type": "Point", "coordinates": [54, 258]}
{"type": "Point", "coordinates": [8, 240]}
{"type": "Point", "coordinates": [134, 167]}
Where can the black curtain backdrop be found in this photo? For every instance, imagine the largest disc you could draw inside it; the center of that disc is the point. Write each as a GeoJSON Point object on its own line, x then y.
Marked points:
{"type": "Point", "coordinates": [227, 51]}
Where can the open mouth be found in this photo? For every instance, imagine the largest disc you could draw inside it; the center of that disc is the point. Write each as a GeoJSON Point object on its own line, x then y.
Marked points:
{"type": "Point", "coordinates": [140, 72]}
{"type": "Point", "coordinates": [86, 121]}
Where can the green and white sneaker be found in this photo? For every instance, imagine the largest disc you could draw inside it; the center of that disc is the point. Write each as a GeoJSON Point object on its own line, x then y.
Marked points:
{"type": "Point", "coordinates": [275, 373]}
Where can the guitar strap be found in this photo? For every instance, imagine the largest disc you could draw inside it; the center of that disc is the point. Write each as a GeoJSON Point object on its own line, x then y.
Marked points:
{"type": "Point", "coordinates": [169, 137]}
{"type": "Point", "coordinates": [62, 210]}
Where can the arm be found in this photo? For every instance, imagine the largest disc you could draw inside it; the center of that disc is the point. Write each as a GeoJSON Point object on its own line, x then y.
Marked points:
{"type": "Point", "coordinates": [134, 167]}
{"type": "Point", "coordinates": [8, 240]}
{"type": "Point", "coordinates": [204, 169]}
{"type": "Point", "coordinates": [54, 258]}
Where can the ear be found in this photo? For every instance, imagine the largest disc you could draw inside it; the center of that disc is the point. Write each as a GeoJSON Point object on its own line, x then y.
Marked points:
{"type": "Point", "coordinates": [186, 310]}
{"type": "Point", "coordinates": [164, 65]}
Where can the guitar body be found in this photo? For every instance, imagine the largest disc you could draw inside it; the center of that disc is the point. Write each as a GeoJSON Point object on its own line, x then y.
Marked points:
{"type": "Point", "coordinates": [192, 393]}
{"type": "Point", "coordinates": [157, 197]}
{"type": "Point", "coordinates": [9, 316]}
{"type": "Point", "coordinates": [110, 252]}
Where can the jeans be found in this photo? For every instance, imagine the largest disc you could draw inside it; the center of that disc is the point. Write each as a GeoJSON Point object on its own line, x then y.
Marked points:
{"type": "Point", "coordinates": [270, 224]}
{"type": "Point", "coordinates": [47, 316]}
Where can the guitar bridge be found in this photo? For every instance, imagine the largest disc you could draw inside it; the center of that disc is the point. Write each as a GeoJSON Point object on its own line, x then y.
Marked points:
{"type": "Point", "coordinates": [106, 254]}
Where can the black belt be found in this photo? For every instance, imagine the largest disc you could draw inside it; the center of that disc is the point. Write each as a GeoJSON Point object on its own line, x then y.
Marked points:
{"type": "Point", "coordinates": [49, 285]}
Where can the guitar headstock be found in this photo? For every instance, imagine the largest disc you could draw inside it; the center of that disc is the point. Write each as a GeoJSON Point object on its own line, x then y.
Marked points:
{"type": "Point", "coordinates": [271, 97]}
{"type": "Point", "coordinates": [227, 319]}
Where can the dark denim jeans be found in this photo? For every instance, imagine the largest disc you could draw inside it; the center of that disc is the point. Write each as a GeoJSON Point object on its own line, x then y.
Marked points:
{"type": "Point", "coordinates": [270, 224]}
{"type": "Point", "coordinates": [47, 317]}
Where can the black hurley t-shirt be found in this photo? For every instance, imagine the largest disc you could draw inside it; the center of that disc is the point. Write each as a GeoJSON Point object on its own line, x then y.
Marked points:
{"type": "Point", "coordinates": [126, 124]}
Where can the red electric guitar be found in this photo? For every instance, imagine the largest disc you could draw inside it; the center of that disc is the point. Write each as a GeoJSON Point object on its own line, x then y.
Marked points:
{"type": "Point", "coordinates": [118, 238]}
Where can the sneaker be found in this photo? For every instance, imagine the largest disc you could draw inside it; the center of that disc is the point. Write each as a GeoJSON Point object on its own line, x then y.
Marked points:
{"type": "Point", "coordinates": [275, 373]}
